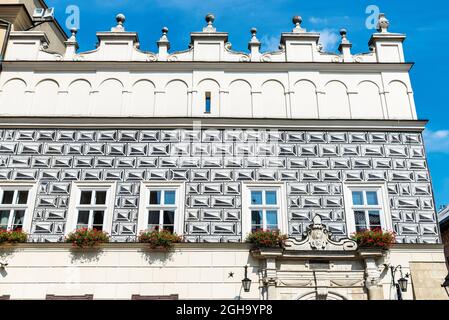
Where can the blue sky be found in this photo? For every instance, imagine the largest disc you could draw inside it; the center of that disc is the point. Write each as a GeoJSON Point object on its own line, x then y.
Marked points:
{"type": "Point", "coordinates": [425, 25]}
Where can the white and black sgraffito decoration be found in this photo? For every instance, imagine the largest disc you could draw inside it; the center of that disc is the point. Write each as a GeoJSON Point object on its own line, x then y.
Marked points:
{"type": "Point", "coordinates": [213, 164]}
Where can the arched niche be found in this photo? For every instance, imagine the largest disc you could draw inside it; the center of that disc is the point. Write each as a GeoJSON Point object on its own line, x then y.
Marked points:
{"type": "Point", "coordinates": [110, 99]}
{"type": "Point", "coordinates": [142, 100]}
{"type": "Point", "coordinates": [13, 100]}
{"type": "Point", "coordinates": [46, 97]}
{"type": "Point", "coordinates": [304, 104]}
{"type": "Point", "coordinates": [336, 102]}
{"type": "Point", "coordinates": [398, 103]}
{"type": "Point", "coordinates": [78, 98]}
{"type": "Point", "coordinates": [175, 100]}
{"type": "Point", "coordinates": [239, 103]}
{"type": "Point", "coordinates": [367, 104]}
{"type": "Point", "coordinates": [273, 101]}
{"type": "Point", "coordinates": [207, 89]}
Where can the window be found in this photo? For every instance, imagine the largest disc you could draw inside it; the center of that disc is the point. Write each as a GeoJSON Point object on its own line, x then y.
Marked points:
{"type": "Point", "coordinates": [161, 207]}
{"type": "Point", "coordinates": [91, 209]}
{"type": "Point", "coordinates": [16, 208]}
{"type": "Point", "coordinates": [365, 206]}
{"type": "Point", "coordinates": [207, 102]}
{"type": "Point", "coordinates": [91, 206]}
{"type": "Point", "coordinates": [264, 208]}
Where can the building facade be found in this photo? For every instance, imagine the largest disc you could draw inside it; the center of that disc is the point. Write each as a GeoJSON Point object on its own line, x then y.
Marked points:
{"type": "Point", "coordinates": [213, 143]}
{"type": "Point", "coordinates": [443, 219]}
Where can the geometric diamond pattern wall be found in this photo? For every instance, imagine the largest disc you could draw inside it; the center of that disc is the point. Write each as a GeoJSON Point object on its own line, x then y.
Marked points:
{"type": "Point", "coordinates": [214, 163]}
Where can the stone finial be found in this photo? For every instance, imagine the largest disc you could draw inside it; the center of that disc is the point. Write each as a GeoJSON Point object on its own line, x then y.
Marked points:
{"type": "Point", "coordinates": [343, 33]}
{"type": "Point", "coordinates": [164, 34]}
{"type": "Point", "coordinates": [73, 31]}
{"type": "Point", "coordinates": [120, 18]}
{"type": "Point", "coordinates": [254, 37]}
{"type": "Point", "coordinates": [254, 45]}
{"type": "Point", "coordinates": [345, 46]}
{"type": "Point", "coordinates": [382, 23]}
{"type": "Point", "coordinates": [297, 20]}
{"type": "Point", "coordinates": [210, 18]}
{"type": "Point", "coordinates": [164, 45]}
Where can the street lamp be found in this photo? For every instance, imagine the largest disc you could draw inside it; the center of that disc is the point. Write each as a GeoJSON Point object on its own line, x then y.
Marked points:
{"type": "Point", "coordinates": [246, 282]}
{"type": "Point", "coordinates": [401, 284]}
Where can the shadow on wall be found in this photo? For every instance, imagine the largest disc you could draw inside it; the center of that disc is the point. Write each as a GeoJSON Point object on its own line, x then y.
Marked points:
{"type": "Point", "coordinates": [85, 255]}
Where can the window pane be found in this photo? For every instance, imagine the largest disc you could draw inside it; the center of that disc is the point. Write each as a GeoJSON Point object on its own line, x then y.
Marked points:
{"type": "Point", "coordinates": [169, 217]}
{"type": "Point", "coordinates": [256, 219]}
{"type": "Point", "coordinates": [98, 220]}
{"type": "Point", "coordinates": [169, 221]}
{"type": "Point", "coordinates": [270, 197]}
{"type": "Point", "coordinates": [18, 219]}
{"type": "Point", "coordinates": [272, 220]}
{"type": "Point", "coordinates": [360, 220]}
{"type": "Point", "coordinates": [357, 198]}
{"type": "Point", "coordinates": [83, 217]}
{"type": "Point", "coordinates": [371, 198]}
{"type": "Point", "coordinates": [374, 219]}
{"type": "Point", "coordinates": [4, 217]}
{"type": "Point", "coordinates": [169, 197]}
{"type": "Point", "coordinates": [155, 197]}
{"type": "Point", "coordinates": [100, 197]}
{"type": "Point", "coordinates": [22, 197]}
{"type": "Point", "coordinates": [86, 197]}
{"type": "Point", "coordinates": [256, 197]}
{"type": "Point", "coordinates": [7, 197]}
{"type": "Point", "coordinates": [153, 217]}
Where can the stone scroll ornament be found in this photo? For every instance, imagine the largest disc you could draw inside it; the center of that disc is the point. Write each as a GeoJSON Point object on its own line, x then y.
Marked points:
{"type": "Point", "coordinates": [318, 237]}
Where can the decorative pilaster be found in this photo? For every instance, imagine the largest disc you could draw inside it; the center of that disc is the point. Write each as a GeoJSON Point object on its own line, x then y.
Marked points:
{"type": "Point", "coordinates": [254, 46]}
{"type": "Point", "coordinates": [71, 46]}
{"type": "Point", "coordinates": [164, 45]}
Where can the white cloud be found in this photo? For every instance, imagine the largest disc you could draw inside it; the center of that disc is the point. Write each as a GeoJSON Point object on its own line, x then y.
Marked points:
{"type": "Point", "coordinates": [270, 43]}
{"type": "Point", "coordinates": [328, 38]}
{"type": "Point", "coordinates": [437, 141]}
{"type": "Point", "coordinates": [316, 20]}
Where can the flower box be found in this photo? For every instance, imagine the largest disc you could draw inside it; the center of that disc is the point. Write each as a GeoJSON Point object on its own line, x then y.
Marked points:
{"type": "Point", "coordinates": [12, 237]}
{"type": "Point", "coordinates": [266, 239]}
{"type": "Point", "coordinates": [159, 240]}
{"type": "Point", "coordinates": [87, 238]}
{"type": "Point", "coordinates": [374, 239]}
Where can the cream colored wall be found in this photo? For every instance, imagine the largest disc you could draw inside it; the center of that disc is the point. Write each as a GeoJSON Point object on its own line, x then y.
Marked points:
{"type": "Point", "coordinates": [199, 271]}
{"type": "Point", "coordinates": [119, 271]}
{"type": "Point", "coordinates": [427, 264]}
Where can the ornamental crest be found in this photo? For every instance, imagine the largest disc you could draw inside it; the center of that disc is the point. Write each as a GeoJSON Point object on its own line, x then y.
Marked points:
{"type": "Point", "coordinates": [317, 237]}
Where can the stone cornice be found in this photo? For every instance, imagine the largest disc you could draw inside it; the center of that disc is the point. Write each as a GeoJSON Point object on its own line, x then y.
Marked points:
{"type": "Point", "coordinates": [219, 122]}
{"type": "Point", "coordinates": [142, 66]}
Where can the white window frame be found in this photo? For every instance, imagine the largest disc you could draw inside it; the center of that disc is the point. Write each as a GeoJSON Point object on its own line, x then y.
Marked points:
{"type": "Point", "coordinates": [382, 195]}
{"type": "Point", "coordinates": [74, 206]}
{"type": "Point", "coordinates": [31, 187]}
{"type": "Point", "coordinates": [144, 207]}
{"type": "Point", "coordinates": [246, 205]}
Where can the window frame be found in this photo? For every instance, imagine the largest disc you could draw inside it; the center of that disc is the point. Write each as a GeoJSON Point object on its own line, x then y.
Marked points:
{"type": "Point", "coordinates": [383, 206]}
{"type": "Point", "coordinates": [144, 206]}
{"type": "Point", "coordinates": [31, 187]}
{"type": "Point", "coordinates": [247, 207]}
{"type": "Point", "coordinates": [74, 204]}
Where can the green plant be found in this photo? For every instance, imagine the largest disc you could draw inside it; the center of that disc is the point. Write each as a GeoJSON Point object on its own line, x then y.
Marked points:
{"type": "Point", "coordinates": [159, 238]}
{"type": "Point", "coordinates": [266, 239]}
{"type": "Point", "coordinates": [376, 238]}
{"type": "Point", "coordinates": [84, 237]}
{"type": "Point", "coordinates": [13, 236]}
